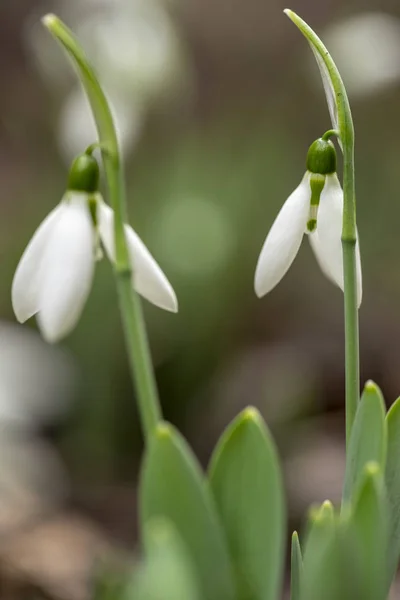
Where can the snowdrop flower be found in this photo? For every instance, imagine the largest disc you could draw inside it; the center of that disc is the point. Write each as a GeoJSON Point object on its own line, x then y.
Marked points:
{"type": "Point", "coordinates": [314, 208]}
{"type": "Point", "coordinates": [55, 273]}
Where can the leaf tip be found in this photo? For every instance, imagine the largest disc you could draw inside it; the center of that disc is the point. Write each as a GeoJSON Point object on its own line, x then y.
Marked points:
{"type": "Point", "coordinates": [295, 537]}
{"type": "Point", "coordinates": [163, 431]}
{"type": "Point", "coordinates": [289, 13]}
{"type": "Point", "coordinates": [371, 386]}
{"type": "Point", "coordinates": [49, 20]}
{"type": "Point", "coordinates": [322, 513]}
{"type": "Point", "coordinates": [251, 414]}
{"type": "Point", "coordinates": [372, 469]}
{"type": "Point", "coordinates": [327, 506]}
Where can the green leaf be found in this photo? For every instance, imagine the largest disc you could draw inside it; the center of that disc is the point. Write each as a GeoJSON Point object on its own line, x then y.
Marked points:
{"type": "Point", "coordinates": [110, 581]}
{"type": "Point", "coordinates": [321, 527]}
{"type": "Point", "coordinates": [172, 486]}
{"type": "Point", "coordinates": [369, 527]}
{"type": "Point", "coordinates": [246, 482]}
{"type": "Point", "coordinates": [296, 568]}
{"type": "Point", "coordinates": [368, 440]}
{"type": "Point", "coordinates": [328, 570]}
{"type": "Point", "coordinates": [392, 481]}
{"type": "Point", "coordinates": [320, 536]}
{"type": "Point", "coordinates": [167, 572]}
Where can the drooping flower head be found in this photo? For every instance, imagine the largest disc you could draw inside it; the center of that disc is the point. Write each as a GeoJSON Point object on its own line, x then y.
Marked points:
{"type": "Point", "coordinates": [54, 276]}
{"type": "Point", "coordinates": [315, 208]}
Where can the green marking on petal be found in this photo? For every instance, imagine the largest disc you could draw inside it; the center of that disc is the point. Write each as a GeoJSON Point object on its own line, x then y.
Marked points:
{"type": "Point", "coordinates": [311, 225]}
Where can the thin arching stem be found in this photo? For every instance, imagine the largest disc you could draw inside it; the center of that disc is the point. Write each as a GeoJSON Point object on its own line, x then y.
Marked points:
{"type": "Point", "coordinates": [130, 304]}
{"type": "Point", "coordinates": [342, 121]}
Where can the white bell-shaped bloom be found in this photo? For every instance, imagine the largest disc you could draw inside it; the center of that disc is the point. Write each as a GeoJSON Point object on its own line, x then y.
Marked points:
{"type": "Point", "coordinates": [322, 222]}
{"type": "Point", "coordinates": [55, 273]}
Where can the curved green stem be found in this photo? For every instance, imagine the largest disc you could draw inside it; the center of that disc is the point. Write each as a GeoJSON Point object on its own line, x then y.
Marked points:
{"type": "Point", "coordinates": [330, 133]}
{"type": "Point", "coordinates": [342, 121]}
{"type": "Point", "coordinates": [130, 305]}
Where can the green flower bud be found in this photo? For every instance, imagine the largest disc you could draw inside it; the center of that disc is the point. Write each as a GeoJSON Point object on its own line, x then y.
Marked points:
{"type": "Point", "coordinates": [84, 174]}
{"type": "Point", "coordinates": [321, 157]}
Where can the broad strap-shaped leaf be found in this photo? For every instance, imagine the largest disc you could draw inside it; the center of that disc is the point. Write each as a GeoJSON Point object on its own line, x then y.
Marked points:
{"type": "Point", "coordinates": [172, 487]}
{"type": "Point", "coordinates": [329, 572]}
{"type": "Point", "coordinates": [296, 568]}
{"type": "Point", "coordinates": [392, 481]}
{"type": "Point", "coordinates": [319, 540]}
{"type": "Point", "coordinates": [368, 440]}
{"type": "Point", "coordinates": [246, 483]}
{"type": "Point", "coordinates": [368, 524]}
{"type": "Point", "coordinates": [166, 572]}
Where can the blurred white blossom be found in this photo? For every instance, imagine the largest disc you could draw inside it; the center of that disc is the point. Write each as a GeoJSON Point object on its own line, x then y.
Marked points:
{"type": "Point", "coordinates": [366, 48]}
{"type": "Point", "coordinates": [137, 51]}
{"type": "Point", "coordinates": [37, 384]}
{"type": "Point", "coordinates": [135, 48]}
{"type": "Point", "coordinates": [77, 130]}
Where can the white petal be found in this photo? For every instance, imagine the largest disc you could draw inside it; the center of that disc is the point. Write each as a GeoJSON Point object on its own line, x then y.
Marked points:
{"type": "Point", "coordinates": [284, 239]}
{"type": "Point", "coordinates": [26, 282]}
{"type": "Point", "coordinates": [148, 278]}
{"type": "Point", "coordinates": [68, 267]}
{"type": "Point", "coordinates": [326, 240]}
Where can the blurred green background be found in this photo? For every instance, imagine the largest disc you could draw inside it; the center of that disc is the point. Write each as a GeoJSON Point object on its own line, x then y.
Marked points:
{"type": "Point", "coordinates": [217, 103]}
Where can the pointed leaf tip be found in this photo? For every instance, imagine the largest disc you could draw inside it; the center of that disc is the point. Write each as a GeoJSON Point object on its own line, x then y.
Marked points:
{"type": "Point", "coordinates": [49, 20]}
{"type": "Point", "coordinates": [372, 469]}
{"type": "Point", "coordinates": [163, 431]}
{"type": "Point", "coordinates": [368, 442]}
{"type": "Point", "coordinates": [170, 465]}
{"type": "Point", "coordinates": [246, 483]}
{"type": "Point", "coordinates": [371, 386]}
{"type": "Point", "coordinates": [251, 414]}
{"type": "Point", "coordinates": [296, 567]}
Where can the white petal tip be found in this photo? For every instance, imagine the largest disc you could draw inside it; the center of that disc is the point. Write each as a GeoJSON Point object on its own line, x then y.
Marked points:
{"type": "Point", "coordinates": [52, 333]}
{"type": "Point", "coordinates": [258, 291]}
{"type": "Point", "coordinates": [20, 318]}
{"type": "Point", "coordinates": [50, 339]}
{"type": "Point", "coordinates": [20, 312]}
{"type": "Point", "coordinates": [50, 336]}
{"type": "Point", "coordinates": [170, 303]}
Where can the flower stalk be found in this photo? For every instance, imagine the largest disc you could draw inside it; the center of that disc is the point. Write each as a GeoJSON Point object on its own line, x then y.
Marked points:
{"type": "Point", "coordinates": [130, 305]}
{"type": "Point", "coordinates": [342, 121]}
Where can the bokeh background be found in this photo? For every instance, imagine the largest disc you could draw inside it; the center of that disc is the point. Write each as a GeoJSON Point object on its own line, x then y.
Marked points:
{"type": "Point", "coordinates": [216, 103]}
